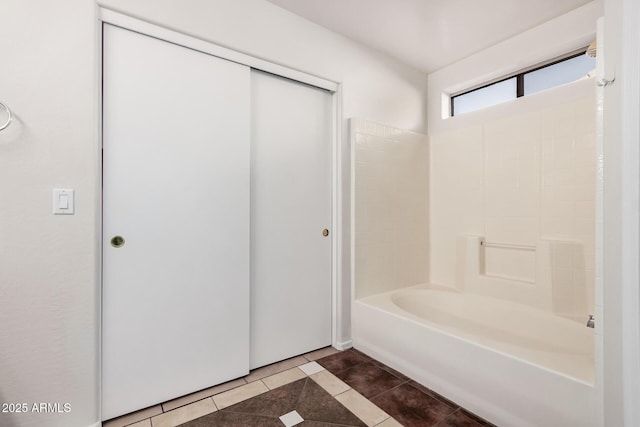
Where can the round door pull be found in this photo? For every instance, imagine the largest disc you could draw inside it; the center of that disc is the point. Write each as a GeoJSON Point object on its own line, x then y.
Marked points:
{"type": "Point", "coordinates": [325, 232]}
{"type": "Point", "coordinates": [117, 241]}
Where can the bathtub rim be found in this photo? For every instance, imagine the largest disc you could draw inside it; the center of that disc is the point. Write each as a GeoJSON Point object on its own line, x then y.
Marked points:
{"type": "Point", "coordinates": [389, 307]}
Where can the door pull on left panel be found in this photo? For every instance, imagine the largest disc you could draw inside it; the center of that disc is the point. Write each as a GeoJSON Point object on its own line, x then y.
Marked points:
{"type": "Point", "coordinates": [117, 241]}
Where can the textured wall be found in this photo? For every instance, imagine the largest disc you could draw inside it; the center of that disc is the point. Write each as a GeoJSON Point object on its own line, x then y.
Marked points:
{"type": "Point", "coordinates": [49, 264]}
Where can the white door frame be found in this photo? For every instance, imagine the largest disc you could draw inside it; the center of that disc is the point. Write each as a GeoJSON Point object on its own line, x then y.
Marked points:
{"type": "Point", "coordinates": [335, 88]}
{"type": "Point", "coordinates": [621, 219]}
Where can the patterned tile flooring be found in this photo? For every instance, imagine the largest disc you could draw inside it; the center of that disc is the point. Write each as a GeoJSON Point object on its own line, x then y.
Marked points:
{"type": "Point", "coordinates": [322, 388]}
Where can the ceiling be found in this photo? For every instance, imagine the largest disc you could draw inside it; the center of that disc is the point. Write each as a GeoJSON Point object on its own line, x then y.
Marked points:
{"type": "Point", "coordinates": [429, 34]}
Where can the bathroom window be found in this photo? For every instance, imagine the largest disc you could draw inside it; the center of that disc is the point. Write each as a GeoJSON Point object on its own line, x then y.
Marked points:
{"type": "Point", "coordinates": [486, 96]}
{"type": "Point", "coordinates": [565, 71]}
{"type": "Point", "coordinates": [547, 75]}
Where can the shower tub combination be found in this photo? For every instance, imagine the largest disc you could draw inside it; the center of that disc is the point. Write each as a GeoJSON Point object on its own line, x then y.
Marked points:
{"type": "Point", "coordinates": [513, 364]}
{"type": "Point", "coordinates": [503, 340]}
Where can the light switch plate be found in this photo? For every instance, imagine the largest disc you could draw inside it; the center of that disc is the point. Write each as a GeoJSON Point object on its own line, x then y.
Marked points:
{"type": "Point", "coordinates": [63, 201]}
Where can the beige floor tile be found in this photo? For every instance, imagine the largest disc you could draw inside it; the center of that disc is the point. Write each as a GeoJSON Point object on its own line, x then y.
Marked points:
{"type": "Point", "coordinates": [332, 384]}
{"type": "Point", "coordinates": [286, 377]}
{"type": "Point", "coordinates": [143, 423]}
{"type": "Point", "coordinates": [369, 413]}
{"type": "Point", "coordinates": [389, 422]}
{"type": "Point", "coordinates": [184, 414]}
{"type": "Point", "coordinates": [311, 368]}
{"type": "Point", "coordinates": [319, 354]}
{"type": "Point", "coordinates": [265, 371]}
{"type": "Point", "coordinates": [133, 417]}
{"type": "Point", "coordinates": [239, 394]}
{"type": "Point", "coordinates": [202, 394]}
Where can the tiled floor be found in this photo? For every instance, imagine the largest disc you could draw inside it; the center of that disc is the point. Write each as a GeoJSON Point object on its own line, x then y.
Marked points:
{"type": "Point", "coordinates": [321, 388]}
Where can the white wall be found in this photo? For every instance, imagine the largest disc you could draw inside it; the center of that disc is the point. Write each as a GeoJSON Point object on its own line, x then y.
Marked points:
{"type": "Point", "coordinates": [49, 265]}
{"type": "Point", "coordinates": [375, 86]}
{"type": "Point", "coordinates": [391, 207]}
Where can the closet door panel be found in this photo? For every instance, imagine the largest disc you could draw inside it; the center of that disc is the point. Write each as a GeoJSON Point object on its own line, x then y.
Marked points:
{"type": "Point", "coordinates": [290, 209]}
{"type": "Point", "coordinates": [176, 133]}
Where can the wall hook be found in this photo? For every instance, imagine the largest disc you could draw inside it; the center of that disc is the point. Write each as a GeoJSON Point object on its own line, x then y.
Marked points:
{"type": "Point", "coordinates": [5, 125]}
{"type": "Point", "coordinates": [605, 82]}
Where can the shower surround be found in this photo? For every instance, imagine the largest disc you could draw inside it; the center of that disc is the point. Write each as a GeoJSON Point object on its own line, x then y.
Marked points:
{"type": "Point", "coordinates": [517, 182]}
{"type": "Point", "coordinates": [501, 221]}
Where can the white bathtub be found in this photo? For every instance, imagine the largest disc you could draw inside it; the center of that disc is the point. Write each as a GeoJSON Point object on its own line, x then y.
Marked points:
{"type": "Point", "coordinates": [510, 363]}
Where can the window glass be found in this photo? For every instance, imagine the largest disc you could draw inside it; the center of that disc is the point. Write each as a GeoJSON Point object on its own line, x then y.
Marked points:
{"type": "Point", "coordinates": [571, 68]}
{"type": "Point", "coordinates": [485, 96]}
{"type": "Point", "coordinates": [558, 74]}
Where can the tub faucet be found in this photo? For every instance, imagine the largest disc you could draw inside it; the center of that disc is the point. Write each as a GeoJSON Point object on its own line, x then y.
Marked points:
{"type": "Point", "coordinates": [591, 322]}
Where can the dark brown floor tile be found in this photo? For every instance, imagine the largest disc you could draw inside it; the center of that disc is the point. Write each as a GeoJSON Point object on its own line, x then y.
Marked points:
{"type": "Point", "coordinates": [364, 355]}
{"type": "Point", "coordinates": [317, 405]}
{"type": "Point", "coordinates": [394, 372]}
{"type": "Point", "coordinates": [233, 419]}
{"type": "Point", "coordinates": [368, 358]}
{"type": "Point", "coordinates": [411, 407]}
{"type": "Point", "coordinates": [369, 380]}
{"type": "Point", "coordinates": [476, 418]}
{"type": "Point", "coordinates": [343, 360]}
{"type": "Point", "coordinates": [433, 393]}
{"type": "Point", "coordinates": [274, 403]}
{"type": "Point", "coordinates": [462, 418]}
{"type": "Point", "coordinates": [382, 365]}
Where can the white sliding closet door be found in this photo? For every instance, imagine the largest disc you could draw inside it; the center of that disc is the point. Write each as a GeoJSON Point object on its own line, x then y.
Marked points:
{"type": "Point", "coordinates": [291, 126]}
{"type": "Point", "coordinates": [176, 189]}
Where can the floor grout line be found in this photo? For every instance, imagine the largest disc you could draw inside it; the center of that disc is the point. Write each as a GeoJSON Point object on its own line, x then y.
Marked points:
{"type": "Point", "coordinates": [388, 390]}
{"type": "Point", "coordinates": [214, 403]}
{"type": "Point", "coordinates": [373, 404]}
{"type": "Point", "coordinates": [383, 421]}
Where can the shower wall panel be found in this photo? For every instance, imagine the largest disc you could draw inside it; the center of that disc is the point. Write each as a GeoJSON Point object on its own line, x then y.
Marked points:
{"type": "Point", "coordinates": [567, 204]}
{"type": "Point", "coordinates": [517, 181]}
{"type": "Point", "coordinates": [391, 207]}
{"type": "Point", "coordinates": [456, 206]}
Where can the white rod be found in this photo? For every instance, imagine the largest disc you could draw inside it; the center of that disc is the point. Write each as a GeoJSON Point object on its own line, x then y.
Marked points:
{"type": "Point", "coordinates": [507, 246]}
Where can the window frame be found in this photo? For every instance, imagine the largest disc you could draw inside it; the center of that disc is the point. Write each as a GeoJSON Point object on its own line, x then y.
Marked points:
{"type": "Point", "coordinates": [519, 77]}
